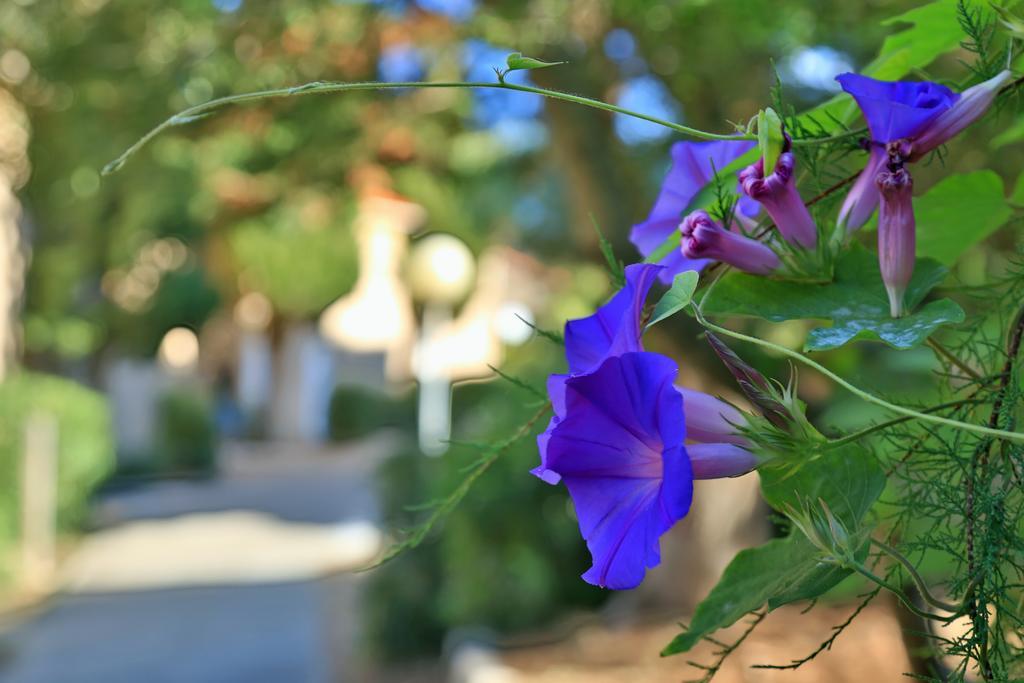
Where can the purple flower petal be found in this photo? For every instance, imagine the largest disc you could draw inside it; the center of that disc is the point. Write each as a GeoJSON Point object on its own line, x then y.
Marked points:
{"type": "Point", "coordinates": [556, 394]}
{"type": "Point", "coordinates": [717, 460]}
{"type": "Point", "coordinates": [619, 449]}
{"type": "Point", "coordinates": [862, 198]}
{"type": "Point", "coordinates": [972, 105]}
{"type": "Point", "coordinates": [778, 195]}
{"type": "Point", "coordinates": [615, 328]}
{"type": "Point", "coordinates": [897, 235]}
{"type": "Point", "coordinates": [897, 109]}
{"type": "Point", "coordinates": [693, 165]}
{"type": "Point", "coordinates": [710, 419]}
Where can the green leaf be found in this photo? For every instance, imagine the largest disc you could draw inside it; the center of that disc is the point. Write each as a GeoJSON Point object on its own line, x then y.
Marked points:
{"type": "Point", "coordinates": [849, 480]}
{"type": "Point", "coordinates": [753, 577]}
{"type": "Point", "coordinates": [517, 62]}
{"type": "Point", "coordinates": [770, 139]}
{"type": "Point", "coordinates": [901, 333]}
{"type": "Point", "coordinates": [932, 30]}
{"type": "Point", "coordinates": [616, 269]}
{"type": "Point", "coordinates": [855, 302]}
{"type": "Point", "coordinates": [676, 298]}
{"type": "Point", "coordinates": [1010, 135]}
{"type": "Point", "coordinates": [957, 213]}
{"type": "Point", "coordinates": [1017, 197]}
{"type": "Point", "coordinates": [1010, 21]}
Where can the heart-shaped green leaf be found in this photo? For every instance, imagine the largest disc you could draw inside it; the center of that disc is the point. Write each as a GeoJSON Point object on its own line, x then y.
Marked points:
{"type": "Point", "coordinates": [849, 481]}
{"type": "Point", "coordinates": [855, 302]}
{"type": "Point", "coordinates": [676, 298]}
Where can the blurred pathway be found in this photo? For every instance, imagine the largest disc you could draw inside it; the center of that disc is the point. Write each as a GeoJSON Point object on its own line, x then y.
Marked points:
{"type": "Point", "coordinates": [231, 579]}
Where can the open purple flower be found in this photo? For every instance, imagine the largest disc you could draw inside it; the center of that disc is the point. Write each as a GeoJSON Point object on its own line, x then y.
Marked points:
{"type": "Point", "coordinates": [616, 438]}
{"type": "Point", "coordinates": [703, 238]}
{"type": "Point", "coordinates": [693, 167]}
{"type": "Point", "coordinates": [897, 110]}
{"type": "Point", "coordinates": [613, 330]}
{"type": "Point", "coordinates": [924, 114]}
{"type": "Point", "coordinates": [619, 450]}
{"type": "Point", "coordinates": [894, 111]}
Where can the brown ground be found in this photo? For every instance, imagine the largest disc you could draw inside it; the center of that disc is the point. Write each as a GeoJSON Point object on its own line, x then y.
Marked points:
{"type": "Point", "coordinates": [871, 649]}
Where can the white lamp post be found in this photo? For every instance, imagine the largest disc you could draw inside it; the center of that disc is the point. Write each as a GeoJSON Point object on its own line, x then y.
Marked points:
{"type": "Point", "coordinates": [441, 273]}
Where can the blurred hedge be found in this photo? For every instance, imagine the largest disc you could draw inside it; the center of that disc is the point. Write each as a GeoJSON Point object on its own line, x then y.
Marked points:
{"type": "Point", "coordinates": [86, 448]}
{"type": "Point", "coordinates": [186, 437]}
{"type": "Point", "coordinates": [355, 412]}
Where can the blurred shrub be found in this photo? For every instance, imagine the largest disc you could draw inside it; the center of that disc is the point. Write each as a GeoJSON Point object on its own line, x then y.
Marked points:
{"type": "Point", "coordinates": [186, 434]}
{"type": "Point", "coordinates": [85, 444]}
{"type": "Point", "coordinates": [299, 270]}
{"type": "Point", "coordinates": [489, 564]}
{"type": "Point", "coordinates": [357, 411]}
{"type": "Point", "coordinates": [184, 297]}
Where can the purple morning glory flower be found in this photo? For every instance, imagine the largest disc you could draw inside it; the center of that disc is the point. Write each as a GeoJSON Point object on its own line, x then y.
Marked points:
{"type": "Point", "coordinates": [619, 450]}
{"type": "Point", "coordinates": [693, 165]}
{"type": "Point", "coordinates": [718, 460]}
{"type": "Point", "coordinates": [613, 330]}
{"type": "Point", "coordinates": [896, 110]}
{"type": "Point", "coordinates": [925, 114]}
{"type": "Point", "coordinates": [616, 437]}
{"type": "Point", "coordinates": [703, 238]}
{"type": "Point", "coordinates": [893, 110]}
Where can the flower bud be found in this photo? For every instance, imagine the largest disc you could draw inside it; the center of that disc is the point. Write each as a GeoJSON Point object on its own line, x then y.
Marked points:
{"type": "Point", "coordinates": [824, 530]}
{"type": "Point", "coordinates": [709, 419]}
{"type": "Point", "coordinates": [896, 234]}
{"type": "Point", "coordinates": [717, 460]}
{"type": "Point", "coordinates": [862, 198]}
{"type": "Point", "coordinates": [755, 386]}
{"type": "Point", "coordinates": [703, 238]}
{"type": "Point", "coordinates": [778, 195]}
{"type": "Point", "coordinates": [971, 106]}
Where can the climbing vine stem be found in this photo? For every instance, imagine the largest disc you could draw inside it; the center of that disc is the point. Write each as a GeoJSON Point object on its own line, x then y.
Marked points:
{"type": "Point", "coordinates": [857, 391]}
{"type": "Point", "coordinates": [206, 109]}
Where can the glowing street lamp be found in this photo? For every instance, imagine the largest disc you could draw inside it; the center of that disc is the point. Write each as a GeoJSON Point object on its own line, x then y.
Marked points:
{"type": "Point", "coordinates": [441, 273]}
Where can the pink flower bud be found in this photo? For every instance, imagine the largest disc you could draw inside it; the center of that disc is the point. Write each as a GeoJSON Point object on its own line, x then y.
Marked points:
{"type": "Point", "coordinates": [701, 237]}
{"type": "Point", "coordinates": [778, 195]}
{"type": "Point", "coordinates": [896, 234]}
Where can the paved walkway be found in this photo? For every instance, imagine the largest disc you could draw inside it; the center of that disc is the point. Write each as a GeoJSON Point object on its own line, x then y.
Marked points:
{"type": "Point", "coordinates": [233, 579]}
